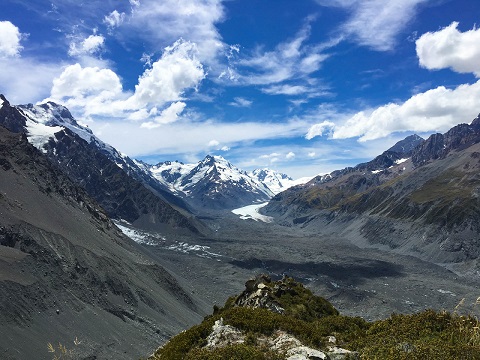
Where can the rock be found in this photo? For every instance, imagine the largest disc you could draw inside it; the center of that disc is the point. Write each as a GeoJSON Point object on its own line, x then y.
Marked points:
{"type": "Point", "coordinates": [336, 353]}
{"type": "Point", "coordinates": [223, 335]}
{"type": "Point", "coordinates": [305, 353]}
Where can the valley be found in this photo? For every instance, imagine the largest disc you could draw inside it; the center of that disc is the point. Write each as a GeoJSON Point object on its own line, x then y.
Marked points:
{"type": "Point", "coordinates": [367, 282]}
{"type": "Point", "coordinates": [96, 248]}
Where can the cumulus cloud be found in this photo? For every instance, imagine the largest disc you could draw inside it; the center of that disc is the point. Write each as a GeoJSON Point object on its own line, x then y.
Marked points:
{"type": "Point", "coordinates": [450, 48]}
{"type": "Point", "coordinates": [10, 37]}
{"type": "Point", "coordinates": [93, 90]}
{"type": "Point", "coordinates": [114, 19]}
{"type": "Point", "coordinates": [167, 116]}
{"type": "Point", "coordinates": [290, 155]}
{"type": "Point", "coordinates": [319, 129]}
{"type": "Point", "coordinates": [375, 23]}
{"type": "Point", "coordinates": [177, 70]}
{"type": "Point", "coordinates": [88, 46]}
{"type": "Point", "coordinates": [86, 88]}
{"type": "Point", "coordinates": [213, 143]}
{"type": "Point", "coordinates": [437, 109]}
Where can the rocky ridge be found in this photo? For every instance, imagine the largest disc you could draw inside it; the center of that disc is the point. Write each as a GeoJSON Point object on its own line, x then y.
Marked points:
{"type": "Point", "coordinates": [111, 178]}
{"type": "Point", "coordinates": [423, 203]}
{"type": "Point", "coordinates": [252, 326]}
{"type": "Point", "coordinates": [67, 272]}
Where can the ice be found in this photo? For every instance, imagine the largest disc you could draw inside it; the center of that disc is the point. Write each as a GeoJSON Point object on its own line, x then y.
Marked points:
{"type": "Point", "coordinates": [251, 212]}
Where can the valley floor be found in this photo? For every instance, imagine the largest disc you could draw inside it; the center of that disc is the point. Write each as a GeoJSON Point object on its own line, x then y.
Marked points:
{"type": "Point", "coordinates": [362, 282]}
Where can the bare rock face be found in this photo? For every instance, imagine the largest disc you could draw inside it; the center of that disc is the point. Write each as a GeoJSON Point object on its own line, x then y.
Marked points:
{"type": "Point", "coordinates": [258, 293]}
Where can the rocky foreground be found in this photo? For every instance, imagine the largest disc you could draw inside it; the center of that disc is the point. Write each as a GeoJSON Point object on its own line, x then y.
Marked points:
{"type": "Point", "coordinates": [284, 320]}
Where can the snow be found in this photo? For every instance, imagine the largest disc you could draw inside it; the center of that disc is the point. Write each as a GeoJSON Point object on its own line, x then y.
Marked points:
{"type": "Point", "coordinates": [400, 161]}
{"type": "Point", "coordinates": [38, 134]}
{"type": "Point", "coordinates": [376, 171]}
{"type": "Point", "coordinates": [1, 103]}
{"type": "Point", "coordinates": [251, 212]}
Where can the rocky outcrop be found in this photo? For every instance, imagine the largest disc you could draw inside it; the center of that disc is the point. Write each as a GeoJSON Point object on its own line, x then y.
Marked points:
{"type": "Point", "coordinates": [259, 293]}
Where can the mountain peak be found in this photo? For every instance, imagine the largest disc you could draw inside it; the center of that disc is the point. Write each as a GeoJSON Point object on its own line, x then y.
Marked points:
{"type": "Point", "coordinates": [406, 145]}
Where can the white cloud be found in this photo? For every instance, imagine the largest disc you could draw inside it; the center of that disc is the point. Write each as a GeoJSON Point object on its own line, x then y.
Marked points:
{"type": "Point", "coordinates": [450, 48]}
{"type": "Point", "coordinates": [289, 60]}
{"type": "Point", "coordinates": [89, 89]}
{"type": "Point", "coordinates": [290, 155]}
{"type": "Point", "coordinates": [10, 37]}
{"type": "Point", "coordinates": [88, 46]}
{"type": "Point", "coordinates": [241, 102]}
{"type": "Point", "coordinates": [166, 21]}
{"type": "Point", "coordinates": [269, 156]}
{"type": "Point", "coordinates": [375, 23]}
{"type": "Point", "coordinates": [312, 154]}
{"type": "Point", "coordinates": [114, 19]}
{"type": "Point", "coordinates": [436, 110]}
{"type": "Point", "coordinates": [177, 70]}
{"type": "Point", "coordinates": [167, 116]}
{"type": "Point", "coordinates": [213, 143]}
{"type": "Point", "coordinates": [93, 90]}
{"type": "Point", "coordinates": [225, 148]}
{"type": "Point", "coordinates": [319, 129]}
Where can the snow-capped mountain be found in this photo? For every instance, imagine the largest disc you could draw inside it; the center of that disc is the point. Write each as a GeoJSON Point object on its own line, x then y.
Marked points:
{"type": "Point", "coordinates": [115, 181]}
{"type": "Point", "coordinates": [211, 183]}
{"type": "Point", "coordinates": [275, 181]}
{"type": "Point", "coordinates": [215, 183]}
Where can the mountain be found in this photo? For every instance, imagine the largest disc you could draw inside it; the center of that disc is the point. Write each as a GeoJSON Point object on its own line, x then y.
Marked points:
{"type": "Point", "coordinates": [116, 182]}
{"type": "Point", "coordinates": [274, 180]}
{"type": "Point", "coordinates": [213, 183]}
{"type": "Point", "coordinates": [68, 275]}
{"type": "Point", "coordinates": [424, 202]}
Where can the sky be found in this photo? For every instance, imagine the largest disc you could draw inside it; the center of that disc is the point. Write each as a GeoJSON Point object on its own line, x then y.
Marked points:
{"type": "Point", "coordinates": [304, 87]}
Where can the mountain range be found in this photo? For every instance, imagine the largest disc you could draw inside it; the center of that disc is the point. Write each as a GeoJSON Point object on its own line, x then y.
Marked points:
{"type": "Point", "coordinates": [421, 197]}
{"type": "Point", "coordinates": [173, 188]}
{"type": "Point", "coordinates": [66, 269]}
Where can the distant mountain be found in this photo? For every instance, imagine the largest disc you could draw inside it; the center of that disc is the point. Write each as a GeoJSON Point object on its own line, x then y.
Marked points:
{"type": "Point", "coordinates": [275, 181]}
{"type": "Point", "coordinates": [213, 183]}
{"type": "Point", "coordinates": [424, 202]}
{"type": "Point", "coordinates": [119, 185]}
{"type": "Point", "coordinates": [67, 274]}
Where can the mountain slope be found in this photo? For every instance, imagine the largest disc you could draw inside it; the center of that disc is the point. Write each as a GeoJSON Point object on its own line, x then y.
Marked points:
{"type": "Point", "coordinates": [427, 205]}
{"type": "Point", "coordinates": [111, 178]}
{"type": "Point", "coordinates": [67, 273]}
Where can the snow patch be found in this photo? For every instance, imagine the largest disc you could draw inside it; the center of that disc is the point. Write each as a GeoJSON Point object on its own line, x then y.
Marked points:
{"type": "Point", "coordinates": [251, 212]}
{"type": "Point", "coordinates": [399, 161]}
{"type": "Point", "coordinates": [376, 171]}
{"type": "Point", "coordinates": [441, 291]}
{"type": "Point", "coordinates": [38, 134]}
{"type": "Point", "coordinates": [199, 250]}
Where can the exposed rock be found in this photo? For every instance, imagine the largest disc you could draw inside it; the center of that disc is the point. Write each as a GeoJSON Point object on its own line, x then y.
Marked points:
{"type": "Point", "coordinates": [305, 353]}
{"type": "Point", "coordinates": [258, 294]}
{"type": "Point", "coordinates": [223, 335]}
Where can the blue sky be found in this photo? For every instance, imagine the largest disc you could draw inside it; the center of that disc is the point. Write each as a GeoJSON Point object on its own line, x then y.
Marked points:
{"type": "Point", "coordinates": [303, 87]}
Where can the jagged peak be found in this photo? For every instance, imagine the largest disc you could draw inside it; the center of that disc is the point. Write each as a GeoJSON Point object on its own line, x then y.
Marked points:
{"type": "Point", "coordinates": [4, 100]}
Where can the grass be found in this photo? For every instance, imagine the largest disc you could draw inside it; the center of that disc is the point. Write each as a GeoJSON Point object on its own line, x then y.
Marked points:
{"type": "Point", "coordinates": [426, 335]}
